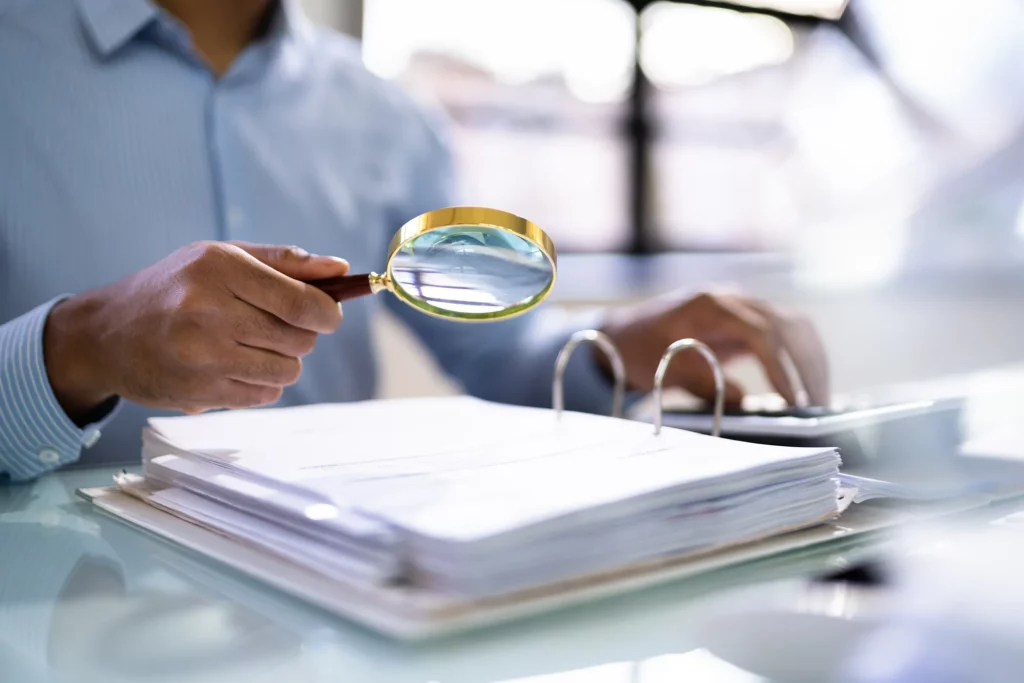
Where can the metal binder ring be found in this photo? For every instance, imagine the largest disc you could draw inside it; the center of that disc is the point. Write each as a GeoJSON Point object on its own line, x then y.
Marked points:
{"type": "Point", "coordinates": [716, 368]}
{"type": "Point", "coordinates": [606, 345]}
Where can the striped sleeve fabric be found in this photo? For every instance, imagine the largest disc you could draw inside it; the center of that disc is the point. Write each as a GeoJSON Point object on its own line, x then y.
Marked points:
{"type": "Point", "coordinates": [36, 436]}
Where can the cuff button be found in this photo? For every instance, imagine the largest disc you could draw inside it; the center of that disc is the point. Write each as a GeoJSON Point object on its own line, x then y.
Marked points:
{"type": "Point", "coordinates": [49, 456]}
{"type": "Point", "coordinates": [91, 436]}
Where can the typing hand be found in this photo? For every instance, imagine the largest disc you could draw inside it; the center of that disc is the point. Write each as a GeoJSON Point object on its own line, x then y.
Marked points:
{"type": "Point", "coordinates": [733, 326]}
{"type": "Point", "coordinates": [213, 325]}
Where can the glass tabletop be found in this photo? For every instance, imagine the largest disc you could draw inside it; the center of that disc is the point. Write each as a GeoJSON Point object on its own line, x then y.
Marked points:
{"type": "Point", "coordinates": [88, 598]}
{"type": "Point", "coordinates": [84, 597]}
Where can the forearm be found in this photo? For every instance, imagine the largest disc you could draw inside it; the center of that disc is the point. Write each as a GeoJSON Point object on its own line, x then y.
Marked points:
{"type": "Point", "coordinates": [514, 361]}
{"type": "Point", "coordinates": [36, 434]}
{"type": "Point", "coordinates": [521, 369]}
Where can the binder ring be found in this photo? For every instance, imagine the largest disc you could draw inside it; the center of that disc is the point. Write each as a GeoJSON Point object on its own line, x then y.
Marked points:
{"type": "Point", "coordinates": [618, 368]}
{"type": "Point", "coordinates": [716, 368]}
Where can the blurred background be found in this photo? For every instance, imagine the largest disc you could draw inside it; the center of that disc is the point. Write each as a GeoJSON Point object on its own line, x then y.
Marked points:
{"type": "Point", "coordinates": [861, 161]}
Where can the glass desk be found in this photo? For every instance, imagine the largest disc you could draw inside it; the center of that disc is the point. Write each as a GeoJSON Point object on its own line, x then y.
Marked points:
{"type": "Point", "coordinates": [86, 598]}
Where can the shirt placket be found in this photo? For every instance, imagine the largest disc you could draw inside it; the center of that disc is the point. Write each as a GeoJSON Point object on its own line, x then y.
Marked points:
{"type": "Point", "coordinates": [232, 220]}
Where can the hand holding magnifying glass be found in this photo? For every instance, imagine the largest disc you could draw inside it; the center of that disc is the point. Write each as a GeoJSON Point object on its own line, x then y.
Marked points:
{"type": "Point", "coordinates": [461, 263]}
{"type": "Point", "coordinates": [226, 325]}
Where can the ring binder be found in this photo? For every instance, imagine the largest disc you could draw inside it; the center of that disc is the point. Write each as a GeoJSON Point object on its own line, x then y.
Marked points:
{"type": "Point", "coordinates": [618, 368]}
{"type": "Point", "coordinates": [716, 368]}
{"type": "Point", "coordinates": [477, 560]}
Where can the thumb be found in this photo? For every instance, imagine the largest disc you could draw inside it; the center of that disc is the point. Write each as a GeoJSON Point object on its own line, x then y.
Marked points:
{"type": "Point", "coordinates": [296, 262]}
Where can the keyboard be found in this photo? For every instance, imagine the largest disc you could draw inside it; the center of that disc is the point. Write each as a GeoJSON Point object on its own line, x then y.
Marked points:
{"type": "Point", "coordinates": [863, 433]}
{"type": "Point", "coordinates": [805, 412]}
{"type": "Point", "coordinates": [807, 421]}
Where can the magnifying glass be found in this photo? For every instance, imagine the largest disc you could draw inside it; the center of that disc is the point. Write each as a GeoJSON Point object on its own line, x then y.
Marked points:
{"type": "Point", "coordinates": [461, 263]}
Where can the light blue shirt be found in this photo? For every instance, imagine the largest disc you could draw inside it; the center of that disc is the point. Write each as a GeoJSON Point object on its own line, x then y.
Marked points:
{"type": "Point", "coordinates": [117, 146]}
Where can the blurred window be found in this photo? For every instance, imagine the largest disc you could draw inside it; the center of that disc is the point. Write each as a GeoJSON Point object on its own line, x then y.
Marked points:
{"type": "Point", "coordinates": [535, 91]}
{"type": "Point", "coordinates": [776, 125]}
{"type": "Point", "coordinates": [720, 87]}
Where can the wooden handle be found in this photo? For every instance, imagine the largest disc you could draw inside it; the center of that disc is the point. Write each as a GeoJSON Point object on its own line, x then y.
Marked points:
{"type": "Point", "coordinates": [344, 288]}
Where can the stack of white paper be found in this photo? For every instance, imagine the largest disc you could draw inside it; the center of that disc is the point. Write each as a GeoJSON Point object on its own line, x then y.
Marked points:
{"type": "Point", "coordinates": [474, 498]}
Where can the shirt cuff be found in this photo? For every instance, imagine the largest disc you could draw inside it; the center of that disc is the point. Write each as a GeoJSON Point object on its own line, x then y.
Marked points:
{"type": "Point", "coordinates": [36, 435]}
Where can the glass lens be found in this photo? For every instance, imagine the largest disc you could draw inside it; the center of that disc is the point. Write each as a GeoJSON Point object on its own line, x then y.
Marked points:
{"type": "Point", "coordinates": [469, 271]}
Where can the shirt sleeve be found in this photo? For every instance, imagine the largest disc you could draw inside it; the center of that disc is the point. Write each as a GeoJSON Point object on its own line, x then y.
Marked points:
{"type": "Point", "coordinates": [511, 361]}
{"type": "Point", "coordinates": [36, 436]}
{"type": "Point", "coordinates": [514, 361]}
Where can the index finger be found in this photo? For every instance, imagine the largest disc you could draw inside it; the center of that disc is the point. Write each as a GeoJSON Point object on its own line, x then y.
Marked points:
{"type": "Point", "coordinates": [296, 303]}
{"type": "Point", "coordinates": [805, 348]}
{"type": "Point", "coordinates": [758, 333]}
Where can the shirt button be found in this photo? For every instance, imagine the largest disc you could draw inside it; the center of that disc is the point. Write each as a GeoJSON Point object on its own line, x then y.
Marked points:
{"type": "Point", "coordinates": [49, 456]}
{"type": "Point", "coordinates": [91, 437]}
{"type": "Point", "coordinates": [235, 217]}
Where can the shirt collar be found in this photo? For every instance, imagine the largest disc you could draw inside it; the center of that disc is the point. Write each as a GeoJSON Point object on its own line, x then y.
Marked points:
{"type": "Point", "coordinates": [112, 23]}
{"type": "Point", "coordinates": [290, 22]}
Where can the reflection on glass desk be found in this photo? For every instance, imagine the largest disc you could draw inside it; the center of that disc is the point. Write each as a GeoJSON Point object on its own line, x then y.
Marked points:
{"type": "Point", "coordinates": [87, 598]}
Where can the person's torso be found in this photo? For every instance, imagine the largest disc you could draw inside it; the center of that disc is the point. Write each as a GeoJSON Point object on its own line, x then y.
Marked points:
{"type": "Point", "coordinates": [109, 164]}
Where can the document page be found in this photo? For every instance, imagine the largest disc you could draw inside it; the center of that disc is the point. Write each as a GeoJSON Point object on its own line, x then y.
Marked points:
{"type": "Point", "coordinates": [428, 463]}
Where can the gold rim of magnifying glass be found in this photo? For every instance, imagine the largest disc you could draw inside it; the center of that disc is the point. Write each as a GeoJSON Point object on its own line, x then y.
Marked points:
{"type": "Point", "coordinates": [469, 216]}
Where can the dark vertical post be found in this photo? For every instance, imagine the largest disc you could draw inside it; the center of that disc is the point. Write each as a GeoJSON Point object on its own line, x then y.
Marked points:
{"type": "Point", "coordinates": [639, 135]}
{"type": "Point", "coordinates": [641, 126]}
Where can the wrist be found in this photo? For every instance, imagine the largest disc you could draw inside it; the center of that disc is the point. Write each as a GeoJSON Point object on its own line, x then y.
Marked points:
{"type": "Point", "coordinates": [613, 324]}
{"type": "Point", "coordinates": [71, 358]}
{"type": "Point", "coordinates": [603, 363]}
